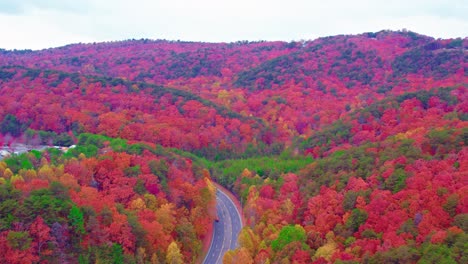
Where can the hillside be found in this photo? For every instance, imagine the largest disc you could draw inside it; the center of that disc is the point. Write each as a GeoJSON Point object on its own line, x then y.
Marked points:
{"type": "Point", "coordinates": [347, 149]}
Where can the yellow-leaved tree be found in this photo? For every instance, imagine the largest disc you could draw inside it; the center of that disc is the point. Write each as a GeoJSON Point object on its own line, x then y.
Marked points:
{"type": "Point", "coordinates": [173, 255]}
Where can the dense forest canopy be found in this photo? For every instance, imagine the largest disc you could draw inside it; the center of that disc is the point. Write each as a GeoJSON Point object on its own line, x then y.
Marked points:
{"type": "Point", "coordinates": [345, 149]}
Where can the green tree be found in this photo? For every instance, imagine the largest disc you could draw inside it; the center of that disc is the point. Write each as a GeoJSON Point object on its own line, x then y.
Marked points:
{"type": "Point", "coordinates": [76, 218]}
{"type": "Point", "coordinates": [461, 221]}
{"type": "Point", "coordinates": [357, 218]}
{"type": "Point", "coordinates": [17, 162]}
{"type": "Point", "coordinates": [287, 235]}
{"type": "Point", "coordinates": [11, 125]}
{"type": "Point", "coordinates": [19, 240]}
{"type": "Point", "coordinates": [117, 254]}
{"type": "Point", "coordinates": [43, 202]}
{"type": "Point", "coordinates": [450, 205]}
{"type": "Point", "coordinates": [432, 254]}
{"type": "Point", "coordinates": [397, 181]}
{"type": "Point", "coordinates": [63, 140]}
{"type": "Point", "coordinates": [403, 254]}
{"type": "Point", "coordinates": [9, 204]}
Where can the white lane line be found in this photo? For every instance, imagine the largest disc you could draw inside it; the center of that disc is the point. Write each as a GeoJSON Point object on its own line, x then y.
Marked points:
{"type": "Point", "coordinates": [228, 205]}
{"type": "Point", "coordinates": [212, 235]}
{"type": "Point", "coordinates": [226, 226]}
{"type": "Point", "coordinates": [235, 208]}
{"type": "Point", "coordinates": [230, 227]}
{"type": "Point", "coordinates": [232, 204]}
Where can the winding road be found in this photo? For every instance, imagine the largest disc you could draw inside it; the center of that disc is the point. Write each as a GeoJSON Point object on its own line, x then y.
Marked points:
{"type": "Point", "coordinates": [225, 231]}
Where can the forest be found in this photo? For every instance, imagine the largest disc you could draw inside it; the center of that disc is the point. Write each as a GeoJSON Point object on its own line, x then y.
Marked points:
{"type": "Point", "coordinates": [343, 149]}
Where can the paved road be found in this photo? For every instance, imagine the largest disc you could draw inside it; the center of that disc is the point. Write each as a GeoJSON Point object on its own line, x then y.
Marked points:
{"type": "Point", "coordinates": [225, 231]}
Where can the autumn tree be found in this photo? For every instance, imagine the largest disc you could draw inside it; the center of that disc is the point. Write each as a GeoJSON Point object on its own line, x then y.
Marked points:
{"type": "Point", "coordinates": [173, 255]}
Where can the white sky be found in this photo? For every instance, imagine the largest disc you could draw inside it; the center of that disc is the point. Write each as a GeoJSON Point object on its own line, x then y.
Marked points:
{"type": "Point", "coordinates": [37, 24]}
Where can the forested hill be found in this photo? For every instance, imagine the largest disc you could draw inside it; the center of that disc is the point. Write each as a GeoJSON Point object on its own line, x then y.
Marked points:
{"type": "Point", "coordinates": [297, 86]}
{"type": "Point", "coordinates": [349, 148]}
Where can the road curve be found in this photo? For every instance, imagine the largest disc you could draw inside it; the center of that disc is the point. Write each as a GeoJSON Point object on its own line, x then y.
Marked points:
{"type": "Point", "coordinates": [225, 231]}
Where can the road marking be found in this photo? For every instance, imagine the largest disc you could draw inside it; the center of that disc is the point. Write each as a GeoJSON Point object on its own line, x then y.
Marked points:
{"type": "Point", "coordinates": [212, 237]}
{"type": "Point", "coordinates": [226, 225]}
{"type": "Point", "coordinates": [224, 207]}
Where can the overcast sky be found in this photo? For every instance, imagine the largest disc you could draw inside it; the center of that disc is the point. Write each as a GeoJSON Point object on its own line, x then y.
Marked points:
{"type": "Point", "coordinates": [37, 24]}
